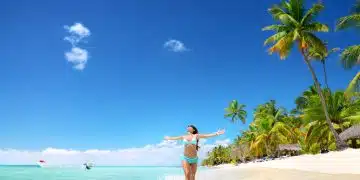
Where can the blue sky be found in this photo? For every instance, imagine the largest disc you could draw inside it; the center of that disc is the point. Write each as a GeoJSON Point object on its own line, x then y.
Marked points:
{"type": "Point", "coordinates": [133, 91]}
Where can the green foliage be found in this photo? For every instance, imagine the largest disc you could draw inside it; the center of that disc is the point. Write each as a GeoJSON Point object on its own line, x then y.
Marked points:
{"type": "Point", "coordinates": [350, 56]}
{"type": "Point", "coordinates": [353, 88]}
{"type": "Point", "coordinates": [272, 126]}
{"type": "Point", "coordinates": [306, 125]}
{"type": "Point", "coordinates": [295, 25]}
{"type": "Point", "coordinates": [314, 149]}
{"type": "Point", "coordinates": [235, 111]}
{"type": "Point", "coordinates": [219, 155]}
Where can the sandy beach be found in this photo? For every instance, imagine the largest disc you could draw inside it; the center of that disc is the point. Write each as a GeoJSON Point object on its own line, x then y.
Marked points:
{"type": "Point", "coordinates": [331, 166]}
{"type": "Point", "coordinates": [271, 174]}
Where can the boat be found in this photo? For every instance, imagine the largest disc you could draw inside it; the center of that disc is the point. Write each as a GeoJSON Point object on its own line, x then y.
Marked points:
{"type": "Point", "coordinates": [41, 163]}
{"type": "Point", "coordinates": [88, 165]}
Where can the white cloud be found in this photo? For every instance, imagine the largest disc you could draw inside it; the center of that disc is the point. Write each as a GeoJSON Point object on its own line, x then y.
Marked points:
{"type": "Point", "coordinates": [163, 153]}
{"type": "Point", "coordinates": [77, 56]}
{"type": "Point", "coordinates": [60, 151]}
{"type": "Point", "coordinates": [224, 142]}
{"type": "Point", "coordinates": [77, 32]}
{"type": "Point", "coordinates": [175, 45]}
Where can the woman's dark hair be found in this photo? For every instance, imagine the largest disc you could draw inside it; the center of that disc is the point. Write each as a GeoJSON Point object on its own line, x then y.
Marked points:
{"type": "Point", "coordinates": [195, 132]}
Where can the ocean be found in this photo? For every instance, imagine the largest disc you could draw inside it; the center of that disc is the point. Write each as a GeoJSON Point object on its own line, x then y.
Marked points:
{"type": "Point", "coordinates": [96, 173]}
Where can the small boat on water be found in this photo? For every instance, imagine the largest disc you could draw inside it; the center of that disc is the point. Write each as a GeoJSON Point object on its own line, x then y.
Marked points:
{"type": "Point", "coordinates": [88, 165]}
{"type": "Point", "coordinates": [41, 163]}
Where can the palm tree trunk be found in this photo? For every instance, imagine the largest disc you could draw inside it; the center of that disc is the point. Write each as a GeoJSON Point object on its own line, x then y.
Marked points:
{"type": "Point", "coordinates": [325, 76]}
{"type": "Point", "coordinates": [340, 144]}
{"type": "Point", "coordinates": [353, 143]}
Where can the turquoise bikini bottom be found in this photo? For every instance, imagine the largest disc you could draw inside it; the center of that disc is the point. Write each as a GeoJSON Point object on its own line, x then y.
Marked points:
{"type": "Point", "coordinates": [189, 160]}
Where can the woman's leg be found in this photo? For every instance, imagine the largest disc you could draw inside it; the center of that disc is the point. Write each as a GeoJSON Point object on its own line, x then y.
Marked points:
{"type": "Point", "coordinates": [186, 168]}
{"type": "Point", "coordinates": [193, 168]}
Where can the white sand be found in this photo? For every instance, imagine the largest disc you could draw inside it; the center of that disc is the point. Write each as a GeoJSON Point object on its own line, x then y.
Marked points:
{"type": "Point", "coordinates": [330, 166]}
{"type": "Point", "coordinates": [343, 162]}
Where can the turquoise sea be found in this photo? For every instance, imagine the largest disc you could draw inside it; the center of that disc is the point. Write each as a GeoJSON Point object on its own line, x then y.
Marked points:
{"type": "Point", "coordinates": [97, 173]}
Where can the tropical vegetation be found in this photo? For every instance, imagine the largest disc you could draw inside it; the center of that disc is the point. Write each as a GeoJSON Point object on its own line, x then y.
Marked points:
{"type": "Point", "coordinates": [320, 114]}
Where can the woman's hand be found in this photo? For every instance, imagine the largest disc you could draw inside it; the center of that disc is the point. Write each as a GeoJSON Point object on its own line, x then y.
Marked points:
{"type": "Point", "coordinates": [220, 132]}
{"type": "Point", "coordinates": [167, 138]}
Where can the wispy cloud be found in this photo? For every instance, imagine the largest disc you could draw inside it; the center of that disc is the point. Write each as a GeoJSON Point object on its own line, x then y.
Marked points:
{"type": "Point", "coordinates": [163, 153]}
{"type": "Point", "coordinates": [77, 33]}
{"type": "Point", "coordinates": [175, 46]}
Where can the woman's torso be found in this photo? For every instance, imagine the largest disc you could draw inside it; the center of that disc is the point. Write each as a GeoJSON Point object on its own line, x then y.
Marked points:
{"type": "Point", "coordinates": [190, 146]}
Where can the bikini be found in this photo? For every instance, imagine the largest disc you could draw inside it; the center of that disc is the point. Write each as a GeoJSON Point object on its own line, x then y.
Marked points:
{"type": "Point", "coordinates": [188, 159]}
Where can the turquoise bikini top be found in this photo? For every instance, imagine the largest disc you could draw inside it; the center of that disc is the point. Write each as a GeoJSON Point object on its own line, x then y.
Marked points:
{"type": "Point", "coordinates": [193, 141]}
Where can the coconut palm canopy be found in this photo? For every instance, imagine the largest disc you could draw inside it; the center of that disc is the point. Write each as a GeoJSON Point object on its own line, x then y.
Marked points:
{"type": "Point", "coordinates": [295, 25]}
{"type": "Point", "coordinates": [235, 111]}
{"type": "Point", "coordinates": [351, 55]}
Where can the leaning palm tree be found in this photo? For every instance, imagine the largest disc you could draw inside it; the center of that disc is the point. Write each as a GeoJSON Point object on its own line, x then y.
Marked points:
{"type": "Point", "coordinates": [322, 57]}
{"type": "Point", "coordinates": [351, 55]}
{"type": "Point", "coordinates": [235, 112]}
{"type": "Point", "coordinates": [298, 26]}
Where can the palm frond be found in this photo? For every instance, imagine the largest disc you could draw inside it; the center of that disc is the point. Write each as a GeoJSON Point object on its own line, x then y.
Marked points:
{"type": "Point", "coordinates": [352, 20]}
{"type": "Point", "coordinates": [283, 46]}
{"type": "Point", "coordinates": [297, 9]}
{"type": "Point", "coordinates": [316, 54]}
{"type": "Point", "coordinates": [276, 28]}
{"type": "Point", "coordinates": [354, 85]}
{"type": "Point", "coordinates": [356, 7]}
{"type": "Point", "coordinates": [312, 13]}
{"type": "Point", "coordinates": [354, 119]}
{"type": "Point", "coordinates": [316, 27]}
{"type": "Point", "coordinates": [320, 56]}
{"type": "Point", "coordinates": [314, 42]}
{"type": "Point", "coordinates": [350, 56]}
{"type": "Point", "coordinates": [280, 15]}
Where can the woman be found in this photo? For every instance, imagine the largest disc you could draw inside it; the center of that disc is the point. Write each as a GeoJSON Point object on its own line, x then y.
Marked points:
{"type": "Point", "coordinates": [191, 141]}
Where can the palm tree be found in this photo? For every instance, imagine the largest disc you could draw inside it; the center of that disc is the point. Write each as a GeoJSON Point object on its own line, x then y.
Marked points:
{"type": "Point", "coordinates": [297, 26]}
{"type": "Point", "coordinates": [218, 155]}
{"type": "Point", "coordinates": [271, 129]}
{"type": "Point", "coordinates": [322, 57]}
{"type": "Point", "coordinates": [350, 56]}
{"type": "Point", "coordinates": [343, 113]}
{"type": "Point", "coordinates": [236, 111]}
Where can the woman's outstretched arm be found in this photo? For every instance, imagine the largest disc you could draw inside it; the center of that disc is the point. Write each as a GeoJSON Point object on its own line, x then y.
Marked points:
{"type": "Point", "coordinates": [173, 138]}
{"type": "Point", "coordinates": [220, 132]}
